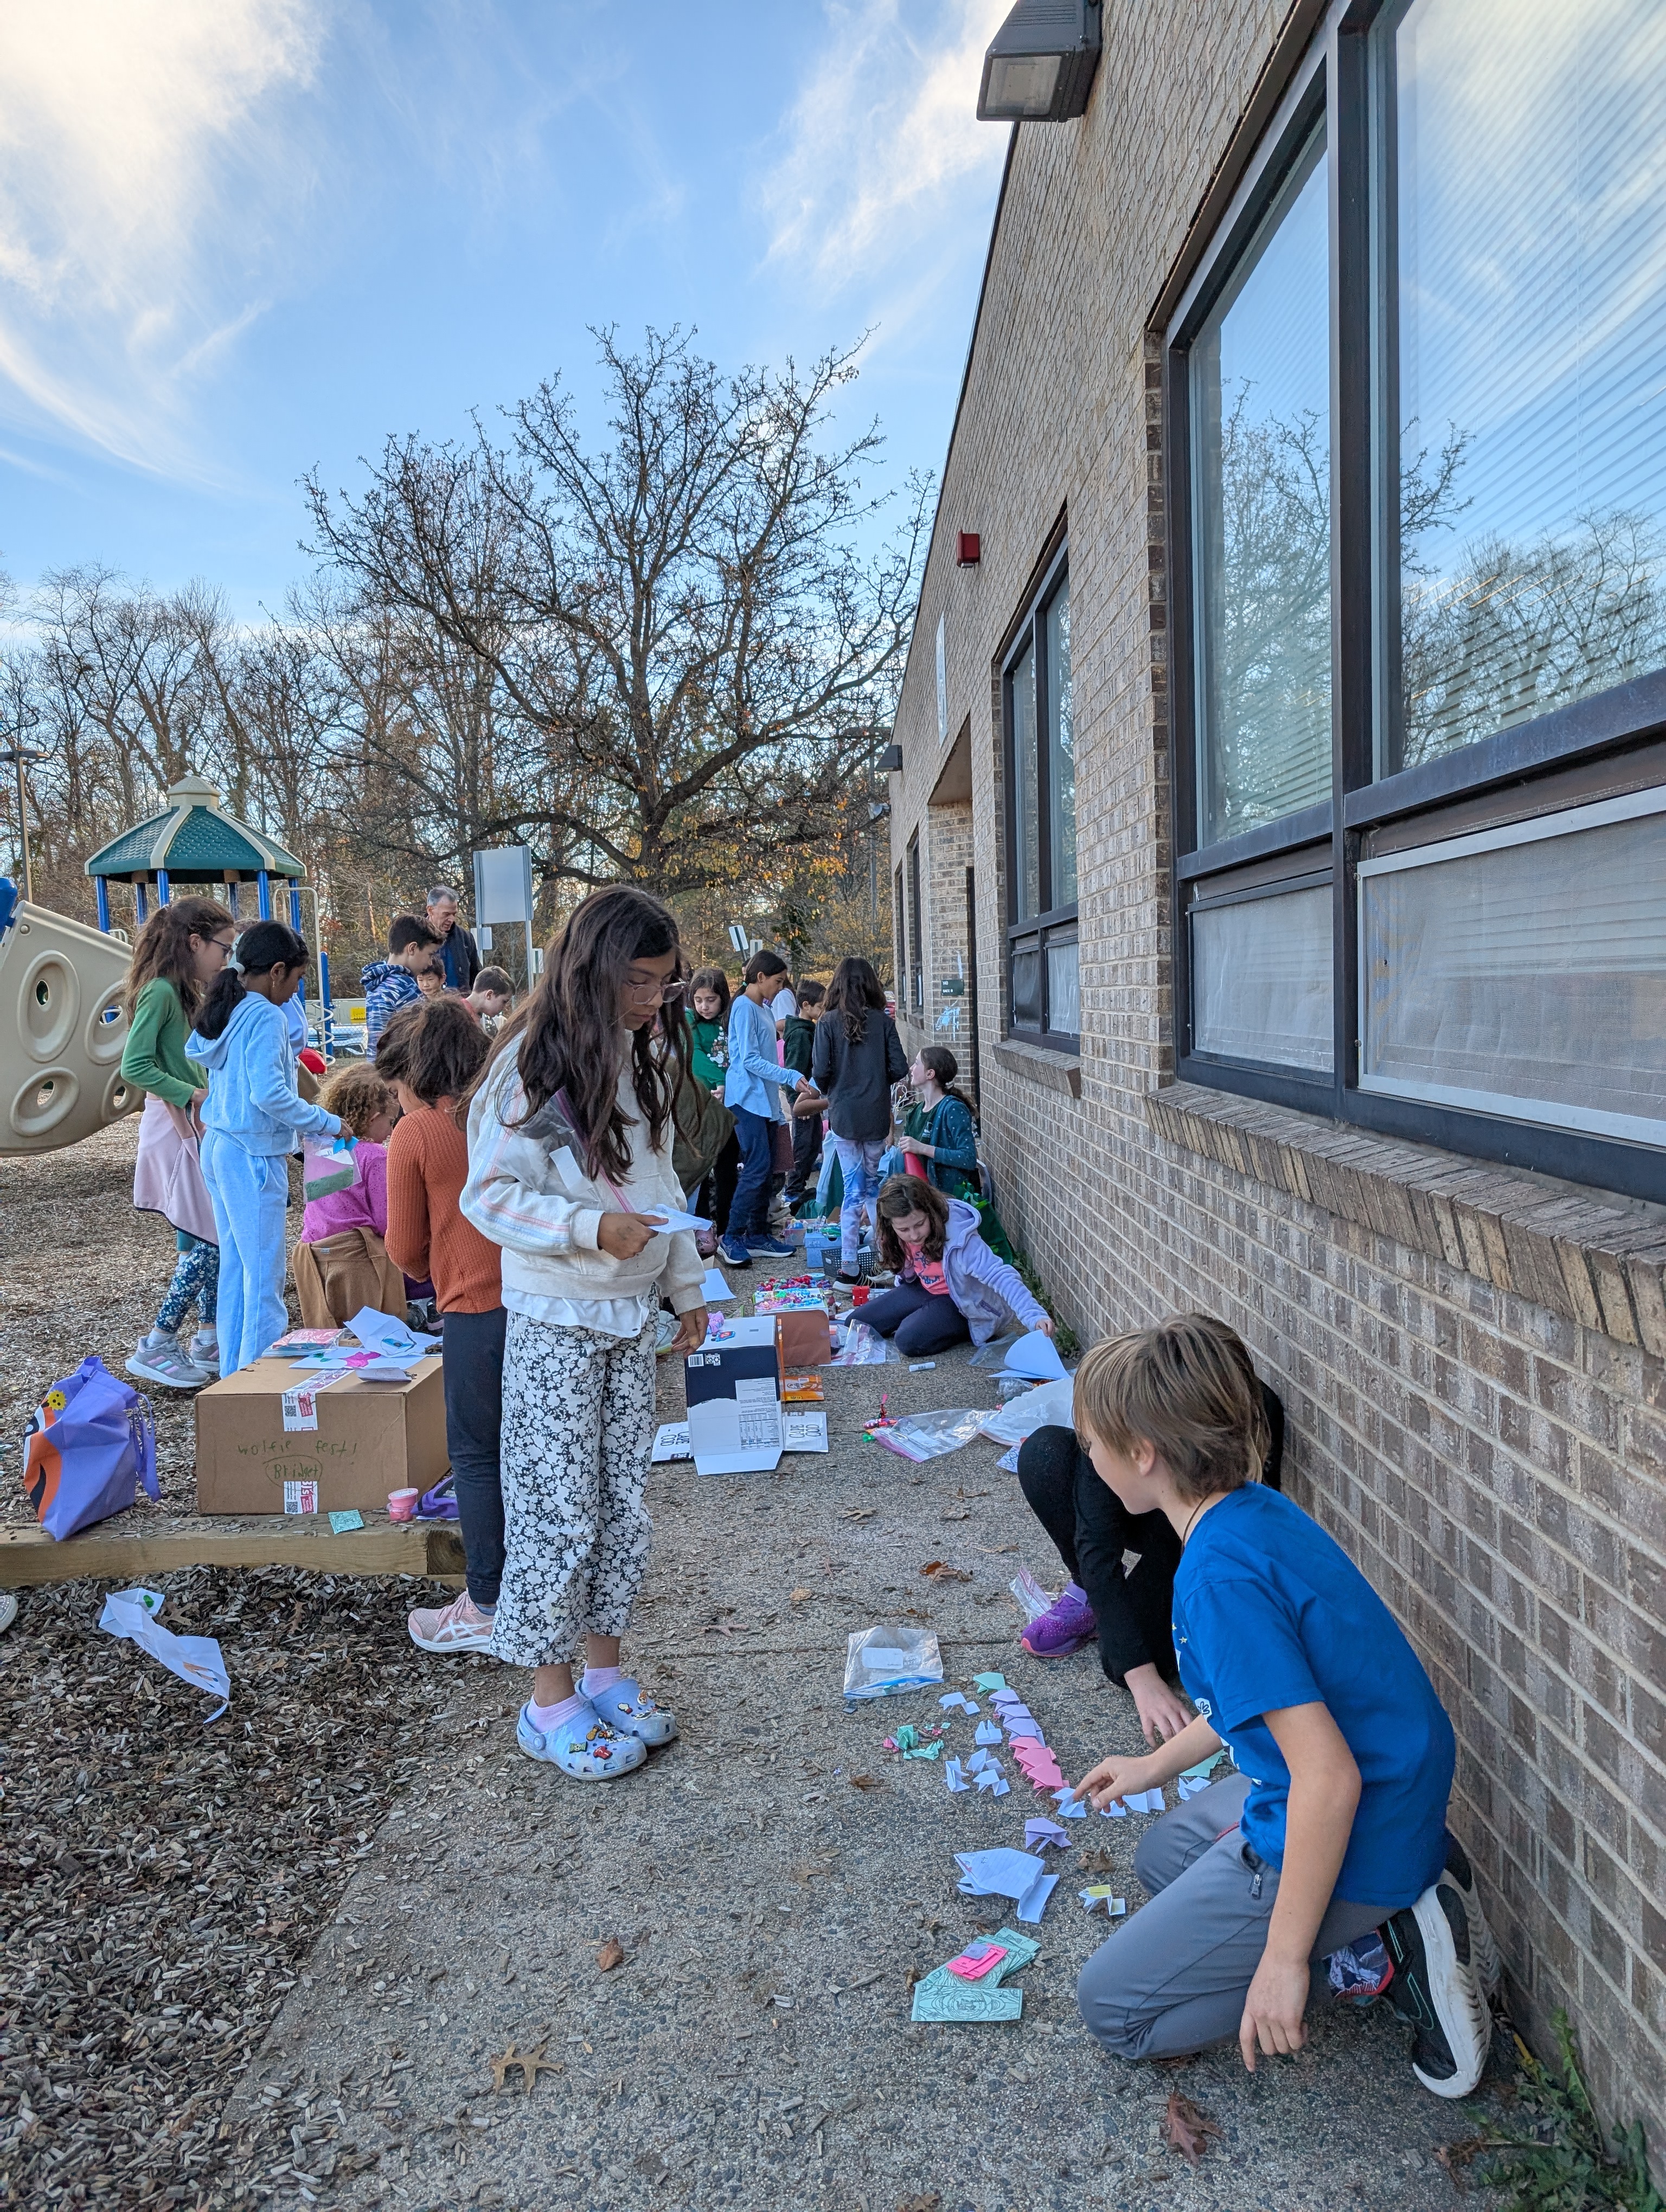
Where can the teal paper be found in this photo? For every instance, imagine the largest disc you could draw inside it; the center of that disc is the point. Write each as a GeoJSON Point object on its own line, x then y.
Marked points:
{"type": "Point", "coordinates": [943, 1997]}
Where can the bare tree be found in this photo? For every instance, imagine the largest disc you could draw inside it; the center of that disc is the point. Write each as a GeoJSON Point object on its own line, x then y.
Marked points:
{"type": "Point", "coordinates": [682, 621]}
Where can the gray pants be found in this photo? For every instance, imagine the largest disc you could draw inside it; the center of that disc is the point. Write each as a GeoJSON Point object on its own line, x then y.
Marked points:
{"type": "Point", "coordinates": [1175, 1976]}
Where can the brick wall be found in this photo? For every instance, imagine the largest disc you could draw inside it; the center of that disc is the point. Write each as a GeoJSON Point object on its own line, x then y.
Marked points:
{"type": "Point", "coordinates": [1493, 1455]}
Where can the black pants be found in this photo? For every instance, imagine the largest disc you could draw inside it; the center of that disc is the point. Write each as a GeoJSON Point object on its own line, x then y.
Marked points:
{"type": "Point", "coordinates": [807, 1154]}
{"type": "Point", "coordinates": [920, 1321]}
{"type": "Point", "coordinates": [717, 1192]}
{"type": "Point", "coordinates": [1091, 1531]}
{"type": "Point", "coordinates": [474, 1417]}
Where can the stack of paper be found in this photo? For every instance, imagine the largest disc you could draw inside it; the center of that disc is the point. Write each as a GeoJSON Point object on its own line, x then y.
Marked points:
{"type": "Point", "coordinates": [965, 1996]}
{"type": "Point", "coordinates": [1008, 1873]}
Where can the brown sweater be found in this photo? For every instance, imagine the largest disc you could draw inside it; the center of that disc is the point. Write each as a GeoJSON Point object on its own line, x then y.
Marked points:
{"type": "Point", "coordinates": [428, 1163]}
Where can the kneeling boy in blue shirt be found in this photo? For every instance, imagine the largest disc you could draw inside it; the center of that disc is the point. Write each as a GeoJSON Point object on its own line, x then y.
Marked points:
{"type": "Point", "coordinates": [1335, 1821]}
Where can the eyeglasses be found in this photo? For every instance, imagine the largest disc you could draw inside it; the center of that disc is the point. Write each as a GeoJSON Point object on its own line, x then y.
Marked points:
{"type": "Point", "coordinates": [654, 992]}
{"type": "Point", "coordinates": [223, 946]}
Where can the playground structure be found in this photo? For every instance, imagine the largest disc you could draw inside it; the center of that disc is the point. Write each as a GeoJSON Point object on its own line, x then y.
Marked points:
{"type": "Point", "coordinates": [62, 1023]}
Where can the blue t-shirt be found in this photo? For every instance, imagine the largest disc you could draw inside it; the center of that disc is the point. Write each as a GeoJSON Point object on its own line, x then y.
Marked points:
{"type": "Point", "coordinates": [1269, 1611]}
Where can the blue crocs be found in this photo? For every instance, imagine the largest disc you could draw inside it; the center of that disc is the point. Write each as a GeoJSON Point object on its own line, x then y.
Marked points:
{"type": "Point", "coordinates": [585, 1747]}
{"type": "Point", "coordinates": [628, 1708]}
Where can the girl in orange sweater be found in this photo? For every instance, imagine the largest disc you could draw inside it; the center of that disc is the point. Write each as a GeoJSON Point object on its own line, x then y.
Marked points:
{"type": "Point", "coordinates": [431, 1053]}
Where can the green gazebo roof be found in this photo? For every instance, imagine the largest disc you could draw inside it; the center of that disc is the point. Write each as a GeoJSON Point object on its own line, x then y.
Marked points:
{"type": "Point", "coordinates": [194, 841]}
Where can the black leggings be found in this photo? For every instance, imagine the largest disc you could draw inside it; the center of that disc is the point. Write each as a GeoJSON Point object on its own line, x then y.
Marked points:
{"type": "Point", "coordinates": [919, 1319]}
{"type": "Point", "coordinates": [1092, 1532]}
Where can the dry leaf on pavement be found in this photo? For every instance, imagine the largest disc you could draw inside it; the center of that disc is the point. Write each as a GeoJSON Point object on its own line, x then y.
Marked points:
{"type": "Point", "coordinates": [1187, 2129]}
{"type": "Point", "coordinates": [611, 1954]}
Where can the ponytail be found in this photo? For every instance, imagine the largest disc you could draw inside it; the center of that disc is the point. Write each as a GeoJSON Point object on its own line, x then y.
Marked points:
{"type": "Point", "coordinates": [943, 1065]}
{"type": "Point", "coordinates": [262, 947]}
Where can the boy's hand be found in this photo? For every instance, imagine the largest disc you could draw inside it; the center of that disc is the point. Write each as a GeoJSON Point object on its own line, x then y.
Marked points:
{"type": "Point", "coordinates": [1111, 1777]}
{"type": "Point", "coordinates": [691, 1330]}
{"type": "Point", "coordinates": [624, 1235]}
{"type": "Point", "coordinates": [1161, 1713]}
{"type": "Point", "coordinates": [1273, 2009]}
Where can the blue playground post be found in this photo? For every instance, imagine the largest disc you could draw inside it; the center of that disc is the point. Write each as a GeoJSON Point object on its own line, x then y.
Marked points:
{"type": "Point", "coordinates": [101, 892]}
{"type": "Point", "coordinates": [264, 884]}
{"type": "Point", "coordinates": [161, 887]}
{"type": "Point", "coordinates": [231, 899]}
{"type": "Point", "coordinates": [141, 912]}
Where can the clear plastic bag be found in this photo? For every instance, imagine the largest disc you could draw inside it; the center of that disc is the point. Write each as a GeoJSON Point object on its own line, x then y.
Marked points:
{"type": "Point", "coordinates": [884, 1660]}
{"type": "Point", "coordinates": [1049, 1405]}
{"type": "Point", "coordinates": [327, 1165]}
{"type": "Point", "coordinates": [928, 1436]}
{"type": "Point", "coordinates": [994, 1355]}
{"type": "Point", "coordinates": [1033, 1600]}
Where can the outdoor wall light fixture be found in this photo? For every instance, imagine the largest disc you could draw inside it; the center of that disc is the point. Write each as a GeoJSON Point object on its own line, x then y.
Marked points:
{"type": "Point", "coordinates": [1041, 62]}
{"type": "Point", "coordinates": [969, 551]}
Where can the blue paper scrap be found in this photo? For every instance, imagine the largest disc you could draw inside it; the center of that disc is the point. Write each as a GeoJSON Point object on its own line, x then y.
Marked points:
{"type": "Point", "coordinates": [954, 1775]}
{"type": "Point", "coordinates": [1008, 1873]}
{"type": "Point", "coordinates": [989, 1681]}
{"type": "Point", "coordinates": [1116, 1907]}
{"type": "Point", "coordinates": [985, 1732]}
{"type": "Point", "coordinates": [992, 1780]}
{"type": "Point", "coordinates": [1044, 1832]}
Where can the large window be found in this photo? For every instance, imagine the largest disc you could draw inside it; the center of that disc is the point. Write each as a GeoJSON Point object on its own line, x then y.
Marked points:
{"type": "Point", "coordinates": [1044, 997]}
{"type": "Point", "coordinates": [1416, 399]}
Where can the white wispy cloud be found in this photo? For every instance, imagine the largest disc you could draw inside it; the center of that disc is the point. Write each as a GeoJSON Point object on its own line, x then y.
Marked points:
{"type": "Point", "coordinates": [883, 133]}
{"type": "Point", "coordinates": [139, 192]}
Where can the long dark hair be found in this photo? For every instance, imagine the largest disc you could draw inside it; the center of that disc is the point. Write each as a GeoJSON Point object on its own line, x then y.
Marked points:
{"type": "Point", "coordinates": [900, 1196]}
{"type": "Point", "coordinates": [441, 1052]}
{"type": "Point", "coordinates": [939, 1062]}
{"type": "Point", "coordinates": [263, 946]}
{"type": "Point", "coordinates": [164, 949]}
{"type": "Point", "coordinates": [855, 992]}
{"type": "Point", "coordinates": [566, 1038]}
{"type": "Point", "coordinates": [714, 981]}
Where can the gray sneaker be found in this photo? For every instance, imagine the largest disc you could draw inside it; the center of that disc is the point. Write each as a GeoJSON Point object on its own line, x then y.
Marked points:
{"type": "Point", "coordinates": [161, 1359]}
{"type": "Point", "coordinates": [204, 1351]}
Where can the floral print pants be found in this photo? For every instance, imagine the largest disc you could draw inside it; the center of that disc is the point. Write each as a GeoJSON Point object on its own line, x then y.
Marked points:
{"type": "Point", "coordinates": [578, 1427]}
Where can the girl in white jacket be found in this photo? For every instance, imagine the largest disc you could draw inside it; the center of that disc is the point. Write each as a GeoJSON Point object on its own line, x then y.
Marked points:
{"type": "Point", "coordinates": [570, 1139]}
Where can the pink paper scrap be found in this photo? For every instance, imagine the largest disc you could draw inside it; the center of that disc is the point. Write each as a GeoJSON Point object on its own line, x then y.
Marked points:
{"type": "Point", "coordinates": [974, 1962]}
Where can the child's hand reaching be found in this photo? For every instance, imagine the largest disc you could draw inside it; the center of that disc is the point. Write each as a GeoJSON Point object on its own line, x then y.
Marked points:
{"type": "Point", "coordinates": [1115, 1775]}
{"type": "Point", "coordinates": [1161, 1713]}
{"type": "Point", "coordinates": [691, 1330]}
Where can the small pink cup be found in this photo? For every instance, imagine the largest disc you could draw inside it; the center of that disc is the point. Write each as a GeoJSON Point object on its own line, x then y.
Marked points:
{"type": "Point", "coordinates": [402, 1503]}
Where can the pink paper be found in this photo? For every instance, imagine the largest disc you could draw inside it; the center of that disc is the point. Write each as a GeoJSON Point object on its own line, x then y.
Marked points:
{"type": "Point", "coordinates": [971, 1969]}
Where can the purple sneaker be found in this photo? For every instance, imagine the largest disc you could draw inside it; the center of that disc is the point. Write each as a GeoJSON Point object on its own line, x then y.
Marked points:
{"type": "Point", "coordinates": [1067, 1625]}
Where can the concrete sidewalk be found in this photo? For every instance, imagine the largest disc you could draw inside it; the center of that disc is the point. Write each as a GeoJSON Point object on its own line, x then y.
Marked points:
{"type": "Point", "coordinates": [754, 2049]}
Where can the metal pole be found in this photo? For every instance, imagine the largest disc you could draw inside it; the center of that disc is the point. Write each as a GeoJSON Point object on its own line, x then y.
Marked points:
{"type": "Point", "coordinates": [20, 756]}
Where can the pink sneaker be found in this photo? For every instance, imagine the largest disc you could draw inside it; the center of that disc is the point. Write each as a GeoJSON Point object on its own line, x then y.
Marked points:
{"type": "Point", "coordinates": [1067, 1625]}
{"type": "Point", "coordinates": [458, 1626]}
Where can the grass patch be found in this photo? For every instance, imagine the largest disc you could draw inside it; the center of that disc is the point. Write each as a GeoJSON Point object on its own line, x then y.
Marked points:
{"type": "Point", "coordinates": [1064, 1336]}
{"type": "Point", "coordinates": [1557, 2158]}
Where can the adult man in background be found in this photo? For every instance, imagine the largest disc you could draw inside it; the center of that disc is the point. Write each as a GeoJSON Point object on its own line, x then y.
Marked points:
{"type": "Point", "coordinates": [458, 955]}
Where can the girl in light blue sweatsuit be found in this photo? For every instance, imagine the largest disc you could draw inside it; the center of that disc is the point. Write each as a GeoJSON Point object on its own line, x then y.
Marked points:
{"type": "Point", "coordinates": [253, 1119]}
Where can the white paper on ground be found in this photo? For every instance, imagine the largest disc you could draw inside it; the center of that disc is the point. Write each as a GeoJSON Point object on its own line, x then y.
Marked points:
{"type": "Point", "coordinates": [805, 1431]}
{"type": "Point", "coordinates": [1050, 1406]}
{"type": "Point", "coordinates": [673, 1221]}
{"type": "Point", "coordinates": [671, 1441]}
{"type": "Point", "coordinates": [717, 1288]}
{"type": "Point", "coordinates": [1035, 1356]}
{"type": "Point", "coordinates": [730, 1437]}
{"type": "Point", "coordinates": [197, 1660]}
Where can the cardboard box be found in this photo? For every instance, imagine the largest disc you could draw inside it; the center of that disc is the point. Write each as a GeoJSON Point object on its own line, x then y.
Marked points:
{"type": "Point", "coordinates": [371, 1438]}
{"type": "Point", "coordinates": [733, 1390]}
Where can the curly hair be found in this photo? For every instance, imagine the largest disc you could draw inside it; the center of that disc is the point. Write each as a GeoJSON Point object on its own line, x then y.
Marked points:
{"type": "Point", "coordinates": [356, 1094]}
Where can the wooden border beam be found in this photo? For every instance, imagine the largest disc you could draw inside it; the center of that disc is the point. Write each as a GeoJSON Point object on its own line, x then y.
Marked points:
{"type": "Point", "coordinates": [131, 1546]}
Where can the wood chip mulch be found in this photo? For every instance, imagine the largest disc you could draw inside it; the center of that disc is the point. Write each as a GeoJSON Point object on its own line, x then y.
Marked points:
{"type": "Point", "coordinates": [161, 1881]}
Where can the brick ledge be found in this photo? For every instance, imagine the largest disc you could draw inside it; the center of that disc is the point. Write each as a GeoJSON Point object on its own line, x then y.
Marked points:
{"type": "Point", "coordinates": [1057, 1071]}
{"type": "Point", "coordinates": [1596, 1263]}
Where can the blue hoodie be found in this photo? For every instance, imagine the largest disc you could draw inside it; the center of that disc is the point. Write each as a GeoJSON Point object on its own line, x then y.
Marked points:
{"type": "Point", "coordinates": [252, 1097]}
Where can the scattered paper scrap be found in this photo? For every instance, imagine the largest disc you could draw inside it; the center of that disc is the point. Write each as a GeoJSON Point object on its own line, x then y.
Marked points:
{"type": "Point", "coordinates": [977, 1960]}
{"type": "Point", "coordinates": [804, 1429]}
{"type": "Point", "coordinates": [671, 1441]}
{"type": "Point", "coordinates": [985, 1732]}
{"type": "Point", "coordinates": [991, 1779]}
{"type": "Point", "coordinates": [924, 1751]}
{"type": "Point", "coordinates": [989, 1681]}
{"type": "Point", "coordinates": [1008, 1873]}
{"type": "Point", "coordinates": [716, 1288]}
{"type": "Point", "coordinates": [955, 1775]}
{"type": "Point", "coordinates": [131, 1615]}
{"type": "Point", "coordinates": [342, 1522]}
{"type": "Point", "coordinates": [1187, 2130]}
{"type": "Point", "coordinates": [1100, 1892]}
{"type": "Point", "coordinates": [941, 1996]}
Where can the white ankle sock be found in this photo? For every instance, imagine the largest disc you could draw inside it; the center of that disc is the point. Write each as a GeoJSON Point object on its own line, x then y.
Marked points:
{"type": "Point", "coordinates": [544, 1717]}
{"type": "Point", "coordinates": [597, 1679]}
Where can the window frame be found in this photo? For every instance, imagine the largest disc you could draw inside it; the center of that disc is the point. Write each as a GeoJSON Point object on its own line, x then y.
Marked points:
{"type": "Point", "coordinates": [1053, 925]}
{"type": "Point", "coordinates": [1334, 79]}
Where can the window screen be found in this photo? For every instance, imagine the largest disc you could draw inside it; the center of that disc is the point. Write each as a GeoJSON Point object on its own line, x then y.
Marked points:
{"type": "Point", "coordinates": [1261, 448]}
{"type": "Point", "coordinates": [1524, 304]}
{"type": "Point", "coordinates": [1263, 983]}
{"type": "Point", "coordinates": [1523, 970]}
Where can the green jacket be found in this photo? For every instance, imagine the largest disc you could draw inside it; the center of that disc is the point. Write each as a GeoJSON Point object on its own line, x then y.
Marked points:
{"type": "Point", "coordinates": [798, 1042]}
{"type": "Point", "coordinates": [701, 1037]}
{"type": "Point", "coordinates": [154, 1057]}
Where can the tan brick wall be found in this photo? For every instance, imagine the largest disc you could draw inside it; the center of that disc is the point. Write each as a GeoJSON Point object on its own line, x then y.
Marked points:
{"type": "Point", "coordinates": [1497, 1467]}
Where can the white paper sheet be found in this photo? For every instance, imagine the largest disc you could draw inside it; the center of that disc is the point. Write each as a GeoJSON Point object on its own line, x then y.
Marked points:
{"type": "Point", "coordinates": [389, 1339]}
{"type": "Point", "coordinates": [805, 1430]}
{"type": "Point", "coordinates": [671, 1441]}
{"type": "Point", "coordinates": [717, 1289]}
{"type": "Point", "coordinates": [197, 1660]}
{"type": "Point", "coordinates": [673, 1221]}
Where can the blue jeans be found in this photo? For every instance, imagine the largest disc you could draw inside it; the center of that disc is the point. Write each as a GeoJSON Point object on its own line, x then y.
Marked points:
{"type": "Point", "coordinates": [249, 1191]}
{"type": "Point", "coordinates": [748, 1209]}
{"type": "Point", "coordinates": [474, 1422]}
{"type": "Point", "coordinates": [859, 1165]}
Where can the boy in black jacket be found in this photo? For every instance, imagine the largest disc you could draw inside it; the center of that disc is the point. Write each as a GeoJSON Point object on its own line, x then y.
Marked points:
{"type": "Point", "coordinates": [797, 1042]}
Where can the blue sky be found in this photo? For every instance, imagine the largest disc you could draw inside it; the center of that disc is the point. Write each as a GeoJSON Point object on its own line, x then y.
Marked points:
{"type": "Point", "coordinates": [241, 238]}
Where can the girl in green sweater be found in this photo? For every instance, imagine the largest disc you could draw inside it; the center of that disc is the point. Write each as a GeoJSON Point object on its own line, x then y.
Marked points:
{"type": "Point", "coordinates": [181, 949]}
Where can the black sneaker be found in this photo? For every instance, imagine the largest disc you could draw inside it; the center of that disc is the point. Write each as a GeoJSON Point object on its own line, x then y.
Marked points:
{"type": "Point", "coordinates": [1437, 1988]}
{"type": "Point", "coordinates": [1483, 1949]}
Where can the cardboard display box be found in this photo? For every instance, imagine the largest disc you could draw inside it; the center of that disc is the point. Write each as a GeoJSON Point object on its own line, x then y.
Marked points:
{"type": "Point", "coordinates": [803, 1338]}
{"type": "Point", "coordinates": [371, 1438]}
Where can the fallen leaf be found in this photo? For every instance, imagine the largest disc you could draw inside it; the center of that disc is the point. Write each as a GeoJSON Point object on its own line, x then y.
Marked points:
{"type": "Point", "coordinates": [800, 1595]}
{"type": "Point", "coordinates": [532, 2065]}
{"type": "Point", "coordinates": [933, 2202]}
{"type": "Point", "coordinates": [958, 1513]}
{"type": "Point", "coordinates": [865, 1782]}
{"type": "Point", "coordinates": [812, 1870]}
{"type": "Point", "coordinates": [1187, 2129]}
{"type": "Point", "coordinates": [611, 1954]}
{"type": "Point", "coordinates": [941, 1571]}
{"type": "Point", "coordinates": [859, 1513]}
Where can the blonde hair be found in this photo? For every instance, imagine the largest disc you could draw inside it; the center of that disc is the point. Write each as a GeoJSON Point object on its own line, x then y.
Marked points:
{"type": "Point", "coordinates": [356, 1096]}
{"type": "Point", "coordinates": [1187, 1389]}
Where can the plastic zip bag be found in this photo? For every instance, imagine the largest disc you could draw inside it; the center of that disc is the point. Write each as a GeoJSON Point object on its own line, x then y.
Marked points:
{"type": "Point", "coordinates": [1033, 1600]}
{"type": "Point", "coordinates": [928, 1436]}
{"type": "Point", "coordinates": [884, 1660]}
{"type": "Point", "coordinates": [1048, 1406]}
{"type": "Point", "coordinates": [328, 1165]}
